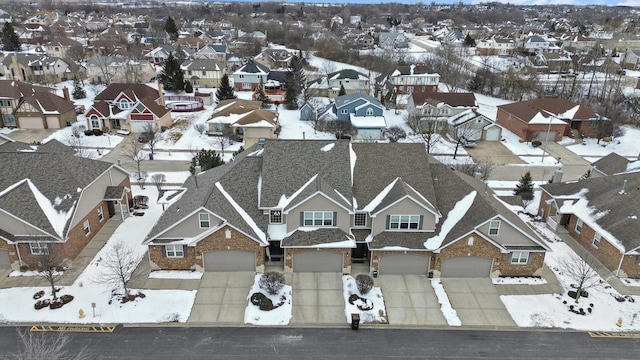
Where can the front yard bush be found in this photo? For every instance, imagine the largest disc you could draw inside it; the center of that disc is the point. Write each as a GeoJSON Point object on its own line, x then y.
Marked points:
{"type": "Point", "coordinates": [272, 282]}
{"type": "Point", "coordinates": [536, 143]}
{"type": "Point", "coordinates": [364, 283]}
{"type": "Point", "coordinates": [262, 301]}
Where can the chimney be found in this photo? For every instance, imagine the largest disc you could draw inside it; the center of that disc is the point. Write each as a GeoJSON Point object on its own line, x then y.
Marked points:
{"type": "Point", "coordinates": [557, 176]}
{"type": "Point", "coordinates": [161, 94]}
{"type": "Point", "coordinates": [624, 188]}
{"type": "Point", "coordinates": [65, 93]}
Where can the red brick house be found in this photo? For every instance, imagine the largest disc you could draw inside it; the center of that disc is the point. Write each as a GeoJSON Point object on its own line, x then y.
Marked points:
{"type": "Point", "coordinates": [548, 119]}
{"type": "Point", "coordinates": [53, 203]}
{"type": "Point", "coordinates": [600, 213]}
{"type": "Point", "coordinates": [319, 206]}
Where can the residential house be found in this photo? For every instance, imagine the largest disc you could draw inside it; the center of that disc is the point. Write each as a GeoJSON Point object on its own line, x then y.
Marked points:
{"type": "Point", "coordinates": [203, 72]}
{"type": "Point", "coordinates": [601, 214]}
{"type": "Point", "coordinates": [632, 60]}
{"type": "Point", "coordinates": [409, 79]}
{"type": "Point", "coordinates": [550, 62]}
{"type": "Point", "coordinates": [321, 205]}
{"type": "Point", "coordinates": [158, 55]}
{"type": "Point", "coordinates": [34, 107]}
{"type": "Point", "coordinates": [548, 119]}
{"type": "Point", "coordinates": [248, 76]}
{"type": "Point", "coordinates": [353, 82]}
{"type": "Point", "coordinates": [364, 112]}
{"type": "Point", "coordinates": [392, 40]}
{"type": "Point", "coordinates": [213, 51]}
{"type": "Point", "coordinates": [64, 47]}
{"type": "Point", "coordinates": [535, 44]}
{"type": "Point", "coordinates": [129, 108]}
{"type": "Point", "coordinates": [37, 68]}
{"type": "Point", "coordinates": [275, 58]}
{"type": "Point", "coordinates": [103, 69]}
{"type": "Point", "coordinates": [611, 164]}
{"type": "Point", "coordinates": [192, 42]}
{"type": "Point", "coordinates": [471, 125]}
{"type": "Point", "coordinates": [496, 45]}
{"type": "Point", "coordinates": [425, 108]}
{"type": "Point", "coordinates": [57, 204]}
{"type": "Point", "coordinates": [245, 119]}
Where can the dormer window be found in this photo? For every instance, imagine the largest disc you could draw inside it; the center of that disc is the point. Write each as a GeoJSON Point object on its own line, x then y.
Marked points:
{"type": "Point", "coordinates": [369, 112]}
{"type": "Point", "coordinates": [205, 222]}
{"type": "Point", "coordinates": [275, 217]}
{"type": "Point", "coordinates": [125, 104]}
{"type": "Point", "coordinates": [494, 227]}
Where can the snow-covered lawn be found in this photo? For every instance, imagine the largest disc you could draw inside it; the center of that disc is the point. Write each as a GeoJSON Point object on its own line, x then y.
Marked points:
{"type": "Point", "coordinates": [280, 315]}
{"type": "Point", "coordinates": [550, 310]}
{"type": "Point", "coordinates": [176, 274]}
{"type": "Point", "coordinates": [518, 281]}
{"type": "Point", "coordinates": [449, 312]}
{"type": "Point", "coordinates": [625, 145]}
{"type": "Point", "coordinates": [156, 306]}
{"type": "Point", "coordinates": [369, 306]}
{"type": "Point", "coordinates": [65, 136]}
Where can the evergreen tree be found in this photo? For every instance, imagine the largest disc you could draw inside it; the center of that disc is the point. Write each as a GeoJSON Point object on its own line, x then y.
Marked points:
{"type": "Point", "coordinates": [207, 159]}
{"type": "Point", "coordinates": [261, 95]}
{"type": "Point", "coordinates": [78, 90]}
{"type": "Point", "coordinates": [469, 41]}
{"type": "Point", "coordinates": [188, 88]}
{"type": "Point", "coordinates": [225, 91]}
{"type": "Point", "coordinates": [296, 66]}
{"type": "Point", "coordinates": [10, 39]}
{"type": "Point", "coordinates": [525, 187]}
{"type": "Point", "coordinates": [291, 96]}
{"type": "Point", "coordinates": [171, 28]}
{"type": "Point", "coordinates": [172, 77]}
{"type": "Point", "coordinates": [342, 90]}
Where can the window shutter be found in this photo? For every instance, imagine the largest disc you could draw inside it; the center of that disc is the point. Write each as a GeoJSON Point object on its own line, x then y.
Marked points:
{"type": "Point", "coordinates": [509, 258]}
{"type": "Point", "coordinates": [335, 218]}
{"type": "Point", "coordinates": [388, 221]}
{"type": "Point", "coordinates": [28, 247]}
{"type": "Point", "coordinates": [184, 250]}
{"type": "Point", "coordinates": [420, 223]}
{"type": "Point", "coordinates": [50, 248]}
{"type": "Point", "coordinates": [164, 251]}
{"type": "Point", "coordinates": [301, 218]}
{"type": "Point", "coordinates": [530, 258]}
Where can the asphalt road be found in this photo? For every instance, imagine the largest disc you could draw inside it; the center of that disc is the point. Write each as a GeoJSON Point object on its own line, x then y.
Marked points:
{"type": "Point", "coordinates": [320, 343]}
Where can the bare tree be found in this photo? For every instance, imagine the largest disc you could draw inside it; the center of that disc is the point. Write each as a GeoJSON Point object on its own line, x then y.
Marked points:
{"type": "Point", "coordinates": [580, 271]}
{"type": "Point", "coordinates": [152, 137]}
{"type": "Point", "coordinates": [48, 265]}
{"type": "Point", "coordinates": [223, 137]}
{"type": "Point", "coordinates": [77, 142]}
{"type": "Point", "coordinates": [117, 266]}
{"type": "Point", "coordinates": [45, 346]}
{"type": "Point", "coordinates": [134, 151]}
{"type": "Point", "coordinates": [200, 127]}
{"type": "Point", "coordinates": [395, 133]}
{"type": "Point", "coordinates": [425, 127]}
{"type": "Point", "coordinates": [481, 170]}
{"type": "Point", "coordinates": [464, 133]}
{"type": "Point", "coordinates": [158, 180]}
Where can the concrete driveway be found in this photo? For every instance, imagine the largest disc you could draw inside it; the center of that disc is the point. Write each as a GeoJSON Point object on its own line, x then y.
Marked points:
{"type": "Point", "coordinates": [31, 135]}
{"type": "Point", "coordinates": [410, 300]}
{"type": "Point", "coordinates": [493, 151]}
{"type": "Point", "coordinates": [477, 302]}
{"type": "Point", "coordinates": [317, 299]}
{"type": "Point", "coordinates": [222, 298]}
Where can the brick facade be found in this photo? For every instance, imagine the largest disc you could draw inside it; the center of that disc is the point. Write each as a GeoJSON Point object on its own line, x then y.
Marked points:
{"type": "Point", "coordinates": [194, 260]}
{"type": "Point", "coordinates": [289, 254]}
{"type": "Point", "coordinates": [520, 127]}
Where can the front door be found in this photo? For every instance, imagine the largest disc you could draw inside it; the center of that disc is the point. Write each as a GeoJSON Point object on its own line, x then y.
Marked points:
{"type": "Point", "coordinates": [359, 254]}
{"type": "Point", "coordinates": [111, 208]}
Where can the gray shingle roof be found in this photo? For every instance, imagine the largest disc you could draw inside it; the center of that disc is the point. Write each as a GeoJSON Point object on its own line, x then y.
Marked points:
{"type": "Point", "coordinates": [605, 198]}
{"type": "Point", "coordinates": [611, 164]}
{"type": "Point", "coordinates": [316, 237]}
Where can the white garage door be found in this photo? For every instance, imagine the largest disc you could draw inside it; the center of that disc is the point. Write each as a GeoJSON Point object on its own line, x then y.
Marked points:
{"type": "Point", "coordinates": [317, 261]}
{"type": "Point", "coordinates": [403, 264]}
{"type": "Point", "coordinates": [493, 134]}
{"type": "Point", "coordinates": [545, 136]}
{"type": "Point", "coordinates": [31, 123]}
{"type": "Point", "coordinates": [229, 260]}
{"type": "Point", "coordinates": [5, 263]}
{"type": "Point", "coordinates": [138, 126]}
{"type": "Point", "coordinates": [53, 123]}
{"type": "Point", "coordinates": [466, 266]}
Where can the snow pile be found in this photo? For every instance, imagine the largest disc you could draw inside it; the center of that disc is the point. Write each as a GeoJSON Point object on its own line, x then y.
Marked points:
{"type": "Point", "coordinates": [518, 281]}
{"type": "Point", "coordinates": [455, 215]}
{"type": "Point", "coordinates": [373, 300]}
{"type": "Point", "coordinates": [328, 147]}
{"type": "Point", "coordinates": [176, 274]}
{"type": "Point", "coordinates": [57, 218]}
{"type": "Point", "coordinates": [281, 315]}
{"type": "Point", "coordinates": [445, 306]}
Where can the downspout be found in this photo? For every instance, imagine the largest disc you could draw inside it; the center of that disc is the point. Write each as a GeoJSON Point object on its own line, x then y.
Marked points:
{"type": "Point", "coordinates": [19, 256]}
{"type": "Point", "coordinates": [620, 264]}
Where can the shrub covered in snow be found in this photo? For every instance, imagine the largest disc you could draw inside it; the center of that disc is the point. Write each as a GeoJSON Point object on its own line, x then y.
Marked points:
{"type": "Point", "coordinates": [272, 282]}
{"type": "Point", "coordinates": [364, 283]}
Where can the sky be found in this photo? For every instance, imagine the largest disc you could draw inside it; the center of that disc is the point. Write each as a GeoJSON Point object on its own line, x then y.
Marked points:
{"type": "Point", "coordinates": [513, 2]}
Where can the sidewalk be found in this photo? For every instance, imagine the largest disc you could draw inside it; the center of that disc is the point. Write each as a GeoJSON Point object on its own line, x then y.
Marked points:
{"type": "Point", "coordinates": [76, 267]}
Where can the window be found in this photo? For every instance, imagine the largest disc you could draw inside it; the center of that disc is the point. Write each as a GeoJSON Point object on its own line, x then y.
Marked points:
{"type": "Point", "coordinates": [189, 73]}
{"type": "Point", "coordinates": [344, 111]}
{"type": "Point", "coordinates": [9, 120]}
{"type": "Point", "coordinates": [39, 248]}
{"type": "Point", "coordinates": [409, 89]}
{"type": "Point", "coordinates": [360, 220]}
{"type": "Point", "coordinates": [86, 227]}
{"type": "Point", "coordinates": [318, 218]}
{"type": "Point", "coordinates": [275, 217]}
{"type": "Point", "coordinates": [400, 222]}
{"type": "Point", "coordinates": [444, 111]}
{"type": "Point", "coordinates": [369, 112]}
{"type": "Point", "coordinates": [204, 221]}
{"type": "Point", "coordinates": [5, 102]}
{"type": "Point", "coordinates": [519, 257]}
{"type": "Point", "coordinates": [246, 85]}
{"type": "Point", "coordinates": [204, 73]}
{"type": "Point", "coordinates": [494, 227]}
{"type": "Point", "coordinates": [100, 214]}
{"type": "Point", "coordinates": [174, 251]}
{"type": "Point", "coordinates": [95, 123]}
{"type": "Point", "coordinates": [125, 104]}
{"type": "Point", "coordinates": [240, 76]}
{"type": "Point", "coordinates": [579, 225]}
{"type": "Point", "coordinates": [596, 240]}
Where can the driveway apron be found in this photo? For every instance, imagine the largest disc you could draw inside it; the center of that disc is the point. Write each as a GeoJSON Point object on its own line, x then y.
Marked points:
{"type": "Point", "coordinates": [410, 300]}
{"type": "Point", "coordinates": [317, 299]}
{"type": "Point", "coordinates": [222, 298]}
{"type": "Point", "coordinates": [477, 302]}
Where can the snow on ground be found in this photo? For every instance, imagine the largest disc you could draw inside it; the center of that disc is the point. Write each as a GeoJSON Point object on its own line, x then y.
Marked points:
{"type": "Point", "coordinates": [374, 301]}
{"type": "Point", "coordinates": [281, 315]}
{"type": "Point", "coordinates": [631, 282]}
{"type": "Point", "coordinates": [449, 312]}
{"type": "Point", "coordinates": [175, 274]}
{"type": "Point", "coordinates": [625, 145]}
{"type": "Point", "coordinates": [156, 306]}
{"type": "Point", "coordinates": [66, 137]}
{"type": "Point", "coordinates": [518, 281]}
{"type": "Point", "coordinates": [171, 177]}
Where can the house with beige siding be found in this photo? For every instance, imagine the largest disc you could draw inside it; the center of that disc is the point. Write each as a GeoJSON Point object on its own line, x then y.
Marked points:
{"type": "Point", "coordinates": [57, 204]}
{"type": "Point", "coordinates": [27, 106]}
{"type": "Point", "coordinates": [321, 205]}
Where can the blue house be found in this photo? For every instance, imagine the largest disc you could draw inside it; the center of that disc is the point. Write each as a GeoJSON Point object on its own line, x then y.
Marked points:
{"type": "Point", "coordinates": [364, 112]}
